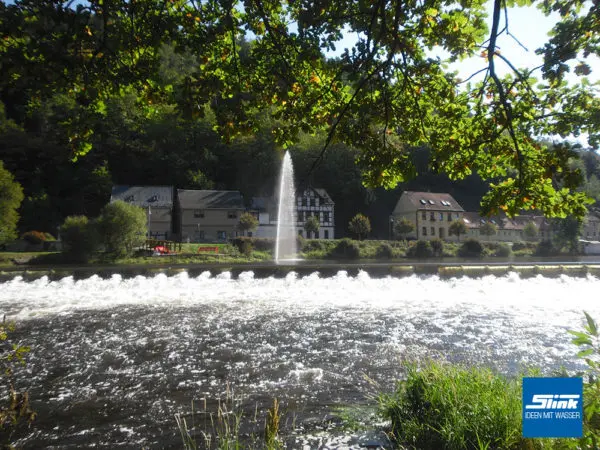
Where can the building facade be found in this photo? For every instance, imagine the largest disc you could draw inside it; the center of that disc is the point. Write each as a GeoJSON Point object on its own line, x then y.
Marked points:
{"type": "Point", "coordinates": [311, 202]}
{"type": "Point", "coordinates": [430, 214]}
{"type": "Point", "coordinates": [208, 216]}
{"type": "Point", "coordinates": [158, 203]}
{"type": "Point", "coordinates": [316, 202]}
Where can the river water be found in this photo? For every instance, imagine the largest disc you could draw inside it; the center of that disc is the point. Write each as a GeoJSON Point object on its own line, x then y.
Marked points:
{"type": "Point", "coordinates": [113, 360]}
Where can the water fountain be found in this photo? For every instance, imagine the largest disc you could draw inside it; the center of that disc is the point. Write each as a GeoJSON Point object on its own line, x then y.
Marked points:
{"type": "Point", "coordinates": [285, 243]}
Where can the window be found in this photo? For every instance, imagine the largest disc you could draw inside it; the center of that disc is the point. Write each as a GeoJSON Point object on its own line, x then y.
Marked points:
{"type": "Point", "coordinates": [449, 217]}
{"type": "Point", "coordinates": [198, 214]}
{"type": "Point", "coordinates": [201, 235]}
{"type": "Point", "coordinates": [317, 234]}
{"type": "Point", "coordinates": [432, 216]}
{"type": "Point", "coordinates": [326, 234]}
{"type": "Point", "coordinates": [441, 217]}
{"type": "Point", "coordinates": [304, 201]}
{"type": "Point", "coordinates": [232, 215]}
{"type": "Point", "coordinates": [424, 231]}
{"type": "Point", "coordinates": [299, 232]}
{"type": "Point", "coordinates": [433, 231]}
{"type": "Point", "coordinates": [221, 235]}
{"type": "Point", "coordinates": [326, 217]}
{"type": "Point", "coordinates": [300, 216]}
{"type": "Point", "coordinates": [129, 198]}
{"type": "Point", "coordinates": [424, 215]}
{"type": "Point", "coordinates": [313, 201]}
{"type": "Point", "coordinates": [249, 233]}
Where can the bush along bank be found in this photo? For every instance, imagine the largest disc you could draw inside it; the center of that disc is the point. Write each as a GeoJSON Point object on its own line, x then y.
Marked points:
{"type": "Point", "coordinates": [445, 406]}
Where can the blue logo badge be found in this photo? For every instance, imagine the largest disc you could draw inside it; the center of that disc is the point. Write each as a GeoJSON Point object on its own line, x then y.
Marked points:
{"type": "Point", "coordinates": [552, 407]}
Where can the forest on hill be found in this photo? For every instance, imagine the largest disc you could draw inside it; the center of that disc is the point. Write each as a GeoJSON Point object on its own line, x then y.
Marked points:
{"type": "Point", "coordinates": [100, 93]}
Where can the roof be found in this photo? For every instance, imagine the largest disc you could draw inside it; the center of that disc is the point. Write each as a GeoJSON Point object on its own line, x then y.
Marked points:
{"type": "Point", "coordinates": [474, 220]}
{"type": "Point", "coordinates": [197, 199]}
{"type": "Point", "coordinates": [144, 196]}
{"type": "Point", "coordinates": [324, 195]}
{"type": "Point", "coordinates": [432, 201]}
{"type": "Point", "coordinates": [263, 204]}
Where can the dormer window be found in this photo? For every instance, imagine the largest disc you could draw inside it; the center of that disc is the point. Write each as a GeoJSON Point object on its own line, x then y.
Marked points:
{"type": "Point", "coordinates": [431, 202]}
{"type": "Point", "coordinates": [423, 202]}
{"type": "Point", "coordinates": [152, 199]}
{"type": "Point", "coordinates": [129, 198]}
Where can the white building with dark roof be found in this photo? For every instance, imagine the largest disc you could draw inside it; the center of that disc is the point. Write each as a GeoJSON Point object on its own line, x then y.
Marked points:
{"type": "Point", "coordinates": [430, 213]}
{"type": "Point", "coordinates": [156, 200]}
{"type": "Point", "coordinates": [311, 202]}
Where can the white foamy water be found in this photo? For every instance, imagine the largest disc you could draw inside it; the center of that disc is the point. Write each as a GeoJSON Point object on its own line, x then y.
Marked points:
{"type": "Point", "coordinates": [115, 358]}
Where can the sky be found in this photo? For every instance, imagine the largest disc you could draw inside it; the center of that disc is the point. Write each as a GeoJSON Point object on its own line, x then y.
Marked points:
{"type": "Point", "coordinates": [527, 24]}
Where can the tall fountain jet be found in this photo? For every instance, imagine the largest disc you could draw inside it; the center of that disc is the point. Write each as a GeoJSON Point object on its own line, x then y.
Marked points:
{"type": "Point", "coordinates": [285, 244]}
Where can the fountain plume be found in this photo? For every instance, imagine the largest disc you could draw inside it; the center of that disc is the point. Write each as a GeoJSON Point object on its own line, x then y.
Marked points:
{"type": "Point", "coordinates": [285, 243]}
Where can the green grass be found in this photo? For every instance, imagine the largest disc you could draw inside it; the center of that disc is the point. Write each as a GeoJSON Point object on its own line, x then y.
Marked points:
{"type": "Point", "coordinates": [443, 406]}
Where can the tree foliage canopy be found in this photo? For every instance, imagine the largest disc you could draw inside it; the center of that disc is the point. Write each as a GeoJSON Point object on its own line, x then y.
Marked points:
{"type": "Point", "coordinates": [122, 227]}
{"type": "Point", "coordinates": [383, 96]}
{"type": "Point", "coordinates": [360, 226]}
{"type": "Point", "coordinates": [11, 196]}
{"type": "Point", "coordinates": [311, 225]}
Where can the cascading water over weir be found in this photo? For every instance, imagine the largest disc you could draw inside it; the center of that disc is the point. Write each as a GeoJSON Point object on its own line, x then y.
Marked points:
{"type": "Point", "coordinates": [285, 244]}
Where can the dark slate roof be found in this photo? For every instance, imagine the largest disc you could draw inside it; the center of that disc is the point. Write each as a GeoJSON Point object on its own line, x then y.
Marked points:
{"type": "Point", "coordinates": [433, 201]}
{"type": "Point", "coordinates": [264, 204]}
{"type": "Point", "coordinates": [144, 196]}
{"type": "Point", "coordinates": [324, 195]}
{"type": "Point", "coordinates": [196, 199]}
{"type": "Point", "coordinates": [474, 220]}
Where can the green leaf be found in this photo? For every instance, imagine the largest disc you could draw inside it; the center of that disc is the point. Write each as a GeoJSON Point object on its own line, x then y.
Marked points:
{"type": "Point", "coordinates": [593, 329]}
{"type": "Point", "coordinates": [584, 353]}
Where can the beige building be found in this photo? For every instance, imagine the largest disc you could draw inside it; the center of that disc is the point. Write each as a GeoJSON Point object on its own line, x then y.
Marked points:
{"type": "Point", "coordinates": [157, 201]}
{"type": "Point", "coordinates": [430, 213]}
{"type": "Point", "coordinates": [208, 216]}
{"type": "Point", "coordinates": [507, 229]}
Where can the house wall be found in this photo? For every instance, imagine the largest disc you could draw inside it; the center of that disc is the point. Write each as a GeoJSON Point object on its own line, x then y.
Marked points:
{"type": "Point", "coordinates": [434, 224]}
{"type": "Point", "coordinates": [429, 224]}
{"type": "Point", "coordinates": [309, 204]}
{"type": "Point", "coordinates": [215, 225]}
{"type": "Point", "coordinates": [159, 222]}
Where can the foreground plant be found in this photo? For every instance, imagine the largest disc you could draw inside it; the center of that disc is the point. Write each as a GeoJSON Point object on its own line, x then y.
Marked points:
{"type": "Point", "coordinates": [15, 410]}
{"type": "Point", "coordinates": [589, 343]}
{"type": "Point", "coordinates": [451, 407]}
{"type": "Point", "coordinates": [221, 429]}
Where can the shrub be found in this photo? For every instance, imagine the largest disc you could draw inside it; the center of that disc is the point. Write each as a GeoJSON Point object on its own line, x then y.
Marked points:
{"type": "Point", "coordinates": [519, 246]}
{"type": "Point", "coordinates": [471, 248]}
{"type": "Point", "coordinates": [122, 227]}
{"type": "Point", "coordinates": [445, 406]}
{"type": "Point", "coordinates": [34, 237]}
{"type": "Point", "coordinates": [246, 248]}
{"type": "Point", "coordinates": [346, 249]}
{"type": "Point", "coordinates": [260, 244]}
{"type": "Point", "coordinates": [79, 238]}
{"type": "Point", "coordinates": [503, 250]}
{"type": "Point", "coordinates": [248, 222]}
{"type": "Point", "coordinates": [546, 248]}
{"type": "Point", "coordinates": [49, 237]}
{"type": "Point", "coordinates": [360, 226]}
{"type": "Point", "coordinates": [422, 249]}
{"type": "Point", "coordinates": [385, 251]}
{"type": "Point", "coordinates": [437, 246]}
